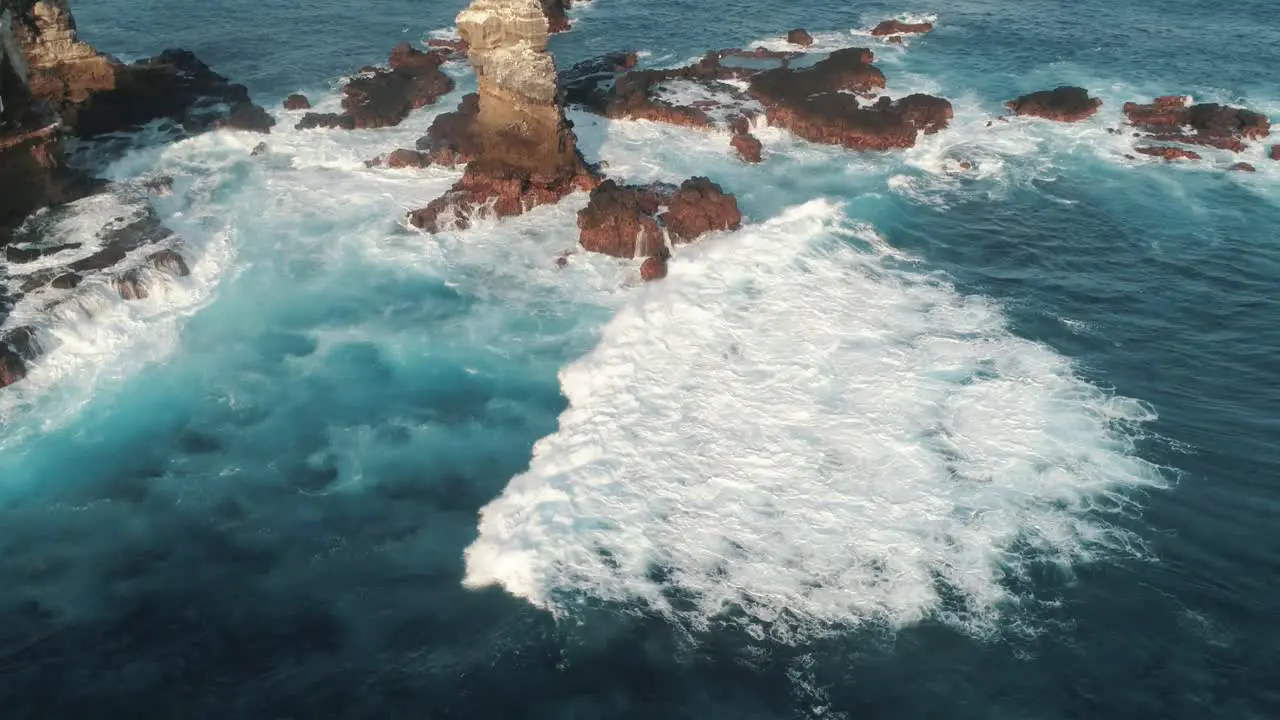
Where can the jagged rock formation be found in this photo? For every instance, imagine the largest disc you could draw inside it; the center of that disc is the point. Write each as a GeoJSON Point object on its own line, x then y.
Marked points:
{"type": "Point", "coordinates": [818, 102]}
{"type": "Point", "coordinates": [384, 98]}
{"type": "Point", "coordinates": [96, 94]}
{"type": "Point", "coordinates": [1173, 118]}
{"type": "Point", "coordinates": [629, 221]}
{"type": "Point", "coordinates": [527, 152]}
{"type": "Point", "coordinates": [1064, 104]}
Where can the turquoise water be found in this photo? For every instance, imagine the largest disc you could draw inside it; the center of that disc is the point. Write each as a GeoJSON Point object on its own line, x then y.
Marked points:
{"type": "Point", "coordinates": [912, 443]}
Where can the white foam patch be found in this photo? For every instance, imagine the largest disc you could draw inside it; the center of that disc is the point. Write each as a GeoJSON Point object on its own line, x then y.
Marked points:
{"type": "Point", "coordinates": [792, 433]}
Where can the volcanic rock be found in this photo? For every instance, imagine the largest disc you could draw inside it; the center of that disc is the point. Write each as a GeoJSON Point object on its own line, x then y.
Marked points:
{"type": "Point", "coordinates": [654, 268]}
{"type": "Point", "coordinates": [1064, 104]}
{"type": "Point", "coordinates": [451, 139]}
{"type": "Point", "coordinates": [1173, 118]}
{"type": "Point", "coordinates": [897, 27]}
{"type": "Point", "coordinates": [556, 12]}
{"type": "Point", "coordinates": [17, 348]}
{"type": "Point", "coordinates": [619, 220]}
{"type": "Point", "coordinates": [748, 147]}
{"type": "Point", "coordinates": [698, 207]}
{"type": "Point", "coordinates": [1168, 153]}
{"type": "Point", "coordinates": [1242, 167]}
{"type": "Point", "coordinates": [296, 102]}
{"type": "Point", "coordinates": [800, 36]}
{"type": "Point", "coordinates": [528, 154]}
{"type": "Point", "coordinates": [1275, 152]}
{"type": "Point", "coordinates": [384, 98]}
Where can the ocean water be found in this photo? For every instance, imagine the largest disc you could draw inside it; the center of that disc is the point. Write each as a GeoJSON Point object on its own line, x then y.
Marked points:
{"type": "Point", "coordinates": [912, 443]}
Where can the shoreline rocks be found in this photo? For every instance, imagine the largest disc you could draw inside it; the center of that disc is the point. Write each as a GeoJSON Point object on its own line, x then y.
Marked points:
{"type": "Point", "coordinates": [1173, 118]}
{"type": "Point", "coordinates": [1064, 104]}
{"type": "Point", "coordinates": [630, 221]}
{"type": "Point", "coordinates": [800, 36]}
{"type": "Point", "coordinates": [527, 152]}
{"type": "Point", "coordinates": [817, 103]}
{"type": "Point", "coordinates": [384, 98]}
{"type": "Point", "coordinates": [898, 27]}
{"type": "Point", "coordinates": [296, 101]}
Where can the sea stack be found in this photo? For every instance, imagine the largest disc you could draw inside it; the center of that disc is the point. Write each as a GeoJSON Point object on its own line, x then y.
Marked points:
{"type": "Point", "coordinates": [528, 152]}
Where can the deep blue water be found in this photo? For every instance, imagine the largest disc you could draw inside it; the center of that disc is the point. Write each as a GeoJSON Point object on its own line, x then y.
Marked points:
{"type": "Point", "coordinates": [992, 446]}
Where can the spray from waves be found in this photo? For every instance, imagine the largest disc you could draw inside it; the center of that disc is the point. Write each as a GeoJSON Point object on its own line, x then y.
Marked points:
{"type": "Point", "coordinates": [793, 433]}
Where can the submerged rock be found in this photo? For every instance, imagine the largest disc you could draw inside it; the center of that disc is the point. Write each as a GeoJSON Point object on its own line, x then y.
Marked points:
{"type": "Point", "coordinates": [1063, 104]}
{"type": "Point", "coordinates": [1242, 167]}
{"type": "Point", "coordinates": [1168, 153]}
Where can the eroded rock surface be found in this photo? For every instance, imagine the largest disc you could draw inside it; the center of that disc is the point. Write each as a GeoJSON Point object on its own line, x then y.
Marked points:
{"type": "Point", "coordinates": [818, 102]}
{"type": "Point", "coordinates": [378, 98]}
{"type": "Point", "coordinates": [1063, 104]}
{"type": "Point", "coordinates": [1173, 118]}
{"type": "Point", "coordinates": [527, 152]}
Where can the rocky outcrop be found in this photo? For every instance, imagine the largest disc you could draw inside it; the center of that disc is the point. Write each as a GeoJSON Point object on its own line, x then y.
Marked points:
{"type": "Point", "coordinates": [1243, 167]}
{"type": "Point", "coordinates": [800, 36]}
{"type": "Point", "coordinates": [748, 147]}
{"type": "Point", "coordinates": [452, 138]}
{"type": "Point", "coordinates": [897, 27]}
{"type": "Point", "coordinates": [1167, 152]}
{"type": "Point", "coordinates": [17, 348]}
{"type": "Point", "coordinates": [296, 102]}
{"type": "Point", "coordinates": [95, 94]}
{"type": "Point", "coordinates": [384, 98]}
{"type": "Point", "coordinates": [1275, 152]}
{"type": "Point", "coordinates": [528, 154]}
{"type": "Point", "coordinates": [1173, 118]}
{"type": "Point", "coordinates": [557, 14]}
{"type": "Point", "coordinates": [819, 102]}
{"type": "Point", "coordinates": [1063, 104]}
{"type": "Point", "coordinates": [629, 221]}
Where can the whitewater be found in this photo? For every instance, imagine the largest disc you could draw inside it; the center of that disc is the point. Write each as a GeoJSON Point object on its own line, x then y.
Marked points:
{"type": "Point", "coordinates": [917, 439]}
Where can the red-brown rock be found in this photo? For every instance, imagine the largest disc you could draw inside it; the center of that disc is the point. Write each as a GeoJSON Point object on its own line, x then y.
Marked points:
{"type": "Point", "coordinates": [1173, 119]}
{"type": "Point", "coordinates": [698, 207]}
{"type": "Point", "coordinates": [557, 15]}
{"type": "Point", "coordinates": [897, 27]}
{"type": "Point", "coordinates": [619, 220]}
{"type": "Point", "coordinates": [848, 69]}
{"type": "Point", "coordinates": [653, 268]}
{"type": "Point", "coordinates": [451, 139]}
{"type": "Point", "coordinates": [296, 102]}
{"type": "Point", "coordinates": [1064, 104]}
{"type": "Point", "coordinates": [838, 119]}
{"type": "Point", "coordinates": [1243, 167]}
{"type": "Point", "coordinates": [402, 158]}
{"type": "Point", "coordinates": [384, 98]}
{"type": "Point", "coordinates": [800, 36]}
{"type": "Point", "coordinates": [17, 347]}
{"type": "Point", "coordinates": [1168, 153]}
{"type": "Point", "coordinates": [748, 147]}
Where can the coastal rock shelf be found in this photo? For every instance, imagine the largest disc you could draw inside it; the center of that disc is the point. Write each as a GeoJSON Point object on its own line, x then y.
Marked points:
{"type": "Point", "coordinates": [378, 97]}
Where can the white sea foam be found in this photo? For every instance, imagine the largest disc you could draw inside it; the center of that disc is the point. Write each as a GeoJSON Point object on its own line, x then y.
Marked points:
{"type": "Point", "coordinates": [793, 432]}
